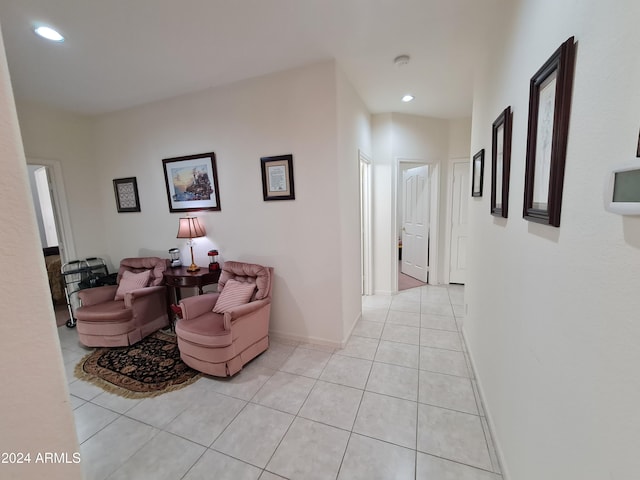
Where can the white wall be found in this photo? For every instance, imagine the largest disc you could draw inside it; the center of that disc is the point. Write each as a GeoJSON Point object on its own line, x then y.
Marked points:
{"type": "Point", "coordinates": [459, 138]}
{"type": "Point", "coordinates": [552, 312]}
{"type": "Point", "coordinates": [50, 134]}
{"type": "Point", "coordinates": [354, 135]}
{"type": "Point", "coordinates": [310, 241]}
{"type": "Point", "coordinates": [34, 400]}
{"type": "Point", "coordinates": [400, 136]}
{"type": "Point", "coordinates": [382, 175]}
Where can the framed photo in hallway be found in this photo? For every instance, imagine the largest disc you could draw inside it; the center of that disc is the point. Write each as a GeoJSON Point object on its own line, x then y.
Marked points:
{"type": "Point", "coordinates": [126, 191]}
{"type": "Point", "coordinates": [477, 177]}
{"type": "Point", "coordinates": [549, 111]}
{"type": "Point", "coordinates": [192, 183]}
{"type": "Point", "coordinates": [277, 178]}
{"type": "Point", "coordinates": [501, 163]}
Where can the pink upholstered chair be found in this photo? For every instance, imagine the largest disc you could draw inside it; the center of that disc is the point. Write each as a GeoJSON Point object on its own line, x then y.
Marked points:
{"type": "Point", "coordinates": [106, 320]}
{"type": "Point", "coordinates": [221, 344]}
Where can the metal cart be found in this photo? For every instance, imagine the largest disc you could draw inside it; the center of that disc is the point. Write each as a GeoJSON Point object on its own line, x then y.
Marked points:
{"type": "Point", "coordinates": [78, 275]}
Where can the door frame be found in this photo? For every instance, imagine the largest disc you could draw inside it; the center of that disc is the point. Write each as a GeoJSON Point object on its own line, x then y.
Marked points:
{"type": "Point", "coordinates": [449, 215]}
{"type": "Point", "coordinates": [60, 207]}
{"type": "Point", "coordinates": [434, 196]}
{"type": "Point", "coordinates": [366, 245]}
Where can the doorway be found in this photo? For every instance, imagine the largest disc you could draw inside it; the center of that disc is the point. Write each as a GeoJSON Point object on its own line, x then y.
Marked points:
{"type": "Point", "coordinates": [49, 201]}
{"type": "Point", "coordinates": [416, 214]}
{"type": "Point", "coordinates": [366, 261]}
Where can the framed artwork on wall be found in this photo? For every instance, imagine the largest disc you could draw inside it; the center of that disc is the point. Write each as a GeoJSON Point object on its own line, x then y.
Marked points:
{"type": "Point", "coordinates": [549, 111]}
{"type": "Point", "coordinates": [192, 183]}
{"type": "Point", "coordinates": [501, 163]}
{"type": "Point", "coordinates": [477, 177]}
{"type": "Point", "coordinates": [126, 191]}
{"type": "Point", "coordinates": [277, 178]}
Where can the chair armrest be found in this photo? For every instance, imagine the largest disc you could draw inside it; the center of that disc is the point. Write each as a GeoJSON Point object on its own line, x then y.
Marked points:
{"type": "Point", "coordinates": [130, 297]}
{"type": "Point", "coordinates": [193, 307]}
{"type": "Point", "coordinates": [93, 296]}
{"type": "Point", "coordinates": [243, 310]}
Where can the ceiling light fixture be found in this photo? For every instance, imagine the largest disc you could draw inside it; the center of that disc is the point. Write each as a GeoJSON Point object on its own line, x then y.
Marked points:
{"type": "Point", "coordinates": [407, 98]}
{"type": "Point", "coordinates": [401, 60]}
{"type": "Point", "coordinates": [48, 33]}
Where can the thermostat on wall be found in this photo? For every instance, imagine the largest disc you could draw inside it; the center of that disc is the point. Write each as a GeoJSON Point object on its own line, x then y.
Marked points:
{"type": "Point", "coordinates": [622, 190]}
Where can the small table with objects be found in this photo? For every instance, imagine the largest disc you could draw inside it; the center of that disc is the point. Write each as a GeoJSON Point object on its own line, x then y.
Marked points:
{"type": "Point", "coordinates": [180, 277]}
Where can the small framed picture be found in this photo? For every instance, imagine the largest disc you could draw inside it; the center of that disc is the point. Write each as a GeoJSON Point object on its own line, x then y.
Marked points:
{"type": "Point", "coordinates": [126, 190]}
{"type": "Point", "coordinates": [501, 163]}
{"type": "Point", "coordinates": [477, 178]}
{"type": "Point", "coordinates": [549, 110]}
{"type": "Point", "coordinates": [277, 178]}
{"type": "Point", "coordinates": [192, 183]}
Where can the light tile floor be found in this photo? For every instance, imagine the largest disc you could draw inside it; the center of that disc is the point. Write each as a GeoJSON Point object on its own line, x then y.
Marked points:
{"type": "Point", "coordinates": [399, 401]}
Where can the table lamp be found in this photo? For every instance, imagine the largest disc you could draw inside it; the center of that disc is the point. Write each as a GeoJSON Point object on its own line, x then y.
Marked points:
{"type": "Point", "coordinates": [191, 228]}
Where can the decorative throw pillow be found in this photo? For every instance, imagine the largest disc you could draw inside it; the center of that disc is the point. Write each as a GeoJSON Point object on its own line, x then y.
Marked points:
{"type": "Point", "coordinates": [233, 294]}
{"type": "Point", "coordinates": [132, 281]}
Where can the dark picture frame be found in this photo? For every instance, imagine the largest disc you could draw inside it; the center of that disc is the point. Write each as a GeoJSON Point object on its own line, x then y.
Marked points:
{"type": "Point", "coordinates": [549, 111]}
{"type": "Point", "coordinates": [277, 178]}
{"type": "Point", "coordinates": [192, 183]}
{"type": "Point", "coordinates": [501, 163]}
{"type": "Point", "coordinates": [477, 174]}
{"type": "Point", "coordinates": [126, 192]}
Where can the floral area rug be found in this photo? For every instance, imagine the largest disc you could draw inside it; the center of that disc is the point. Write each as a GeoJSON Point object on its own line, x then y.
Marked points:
{"type": "Point", "coordinates": [150, 367]}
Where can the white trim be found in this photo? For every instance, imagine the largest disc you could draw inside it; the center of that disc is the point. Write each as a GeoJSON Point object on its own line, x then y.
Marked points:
{"type": "Point", "coordinates": [59, 196]}
{"type": "Point", "coordinates": [502, 464]}
{"type": "Point", "coordinates": [366, 267]}
{"type": "Point", "coordinates": [301, 339]}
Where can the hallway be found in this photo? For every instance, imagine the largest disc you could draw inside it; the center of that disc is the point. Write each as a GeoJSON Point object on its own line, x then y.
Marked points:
{"type": "Point", "coordinates": [399, 401]}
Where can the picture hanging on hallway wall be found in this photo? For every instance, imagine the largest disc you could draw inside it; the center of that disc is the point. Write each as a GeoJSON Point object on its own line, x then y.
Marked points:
{"type": "Point", "coordinates": [126, 191]}
{"type": "Point", "coordinates": [192, 183]}
{"type": "Point", "coordinates": [277, 178]}
{"type": "Point", "coordinates": [549, 111]}
{"type": "Point", "coordinates": [477, 178]}
{"type": "Point", "coordinates": [501, 163]}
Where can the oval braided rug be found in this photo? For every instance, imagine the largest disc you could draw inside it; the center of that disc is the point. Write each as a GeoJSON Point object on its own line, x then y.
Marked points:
{"type": "Point", "coordinates": [150, 367]}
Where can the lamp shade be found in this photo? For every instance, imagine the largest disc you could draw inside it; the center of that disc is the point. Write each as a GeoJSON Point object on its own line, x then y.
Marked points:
{"type": "Point", "coordinates": [190, 227]}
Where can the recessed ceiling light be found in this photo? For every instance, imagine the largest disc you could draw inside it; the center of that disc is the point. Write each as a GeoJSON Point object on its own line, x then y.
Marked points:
{"type": "Point", "coordinates": [407, 98]}
{"type": "Point", "coordinates": [48, 33]}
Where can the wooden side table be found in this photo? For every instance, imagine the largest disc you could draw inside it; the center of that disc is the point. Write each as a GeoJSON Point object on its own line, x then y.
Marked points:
{"type": "Point", "coordinates": [180, 277]}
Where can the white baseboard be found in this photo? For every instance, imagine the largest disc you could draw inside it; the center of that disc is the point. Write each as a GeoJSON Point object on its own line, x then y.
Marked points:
{"type": "Point", "coordinates": [388, 293]}
{"type": "Point", "coordinates": [287, 337]}
{"type": "Point", "coordinates": [353, 325]}
{"type": "Point", "coordinates": [496, 443]}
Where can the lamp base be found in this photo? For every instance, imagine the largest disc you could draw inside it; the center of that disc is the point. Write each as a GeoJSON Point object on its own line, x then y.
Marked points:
{"type": "Point", "coordinates": [193, 267]}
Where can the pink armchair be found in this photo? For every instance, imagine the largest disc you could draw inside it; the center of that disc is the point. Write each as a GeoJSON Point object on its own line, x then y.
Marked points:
{"type": "Point", "coordinates": [221, 344]}
{"type": "Point", "coordinates": [104, 321]}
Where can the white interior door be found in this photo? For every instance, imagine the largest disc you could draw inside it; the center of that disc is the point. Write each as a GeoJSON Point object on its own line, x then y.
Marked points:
{"type": "Point", "coordinates": [459, 221]}
{"type": "Point", "coordinates": [415, 222]}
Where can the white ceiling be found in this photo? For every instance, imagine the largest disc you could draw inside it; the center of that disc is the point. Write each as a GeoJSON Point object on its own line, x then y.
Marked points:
{"type": "Point", "coordinates": [121, 53]}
